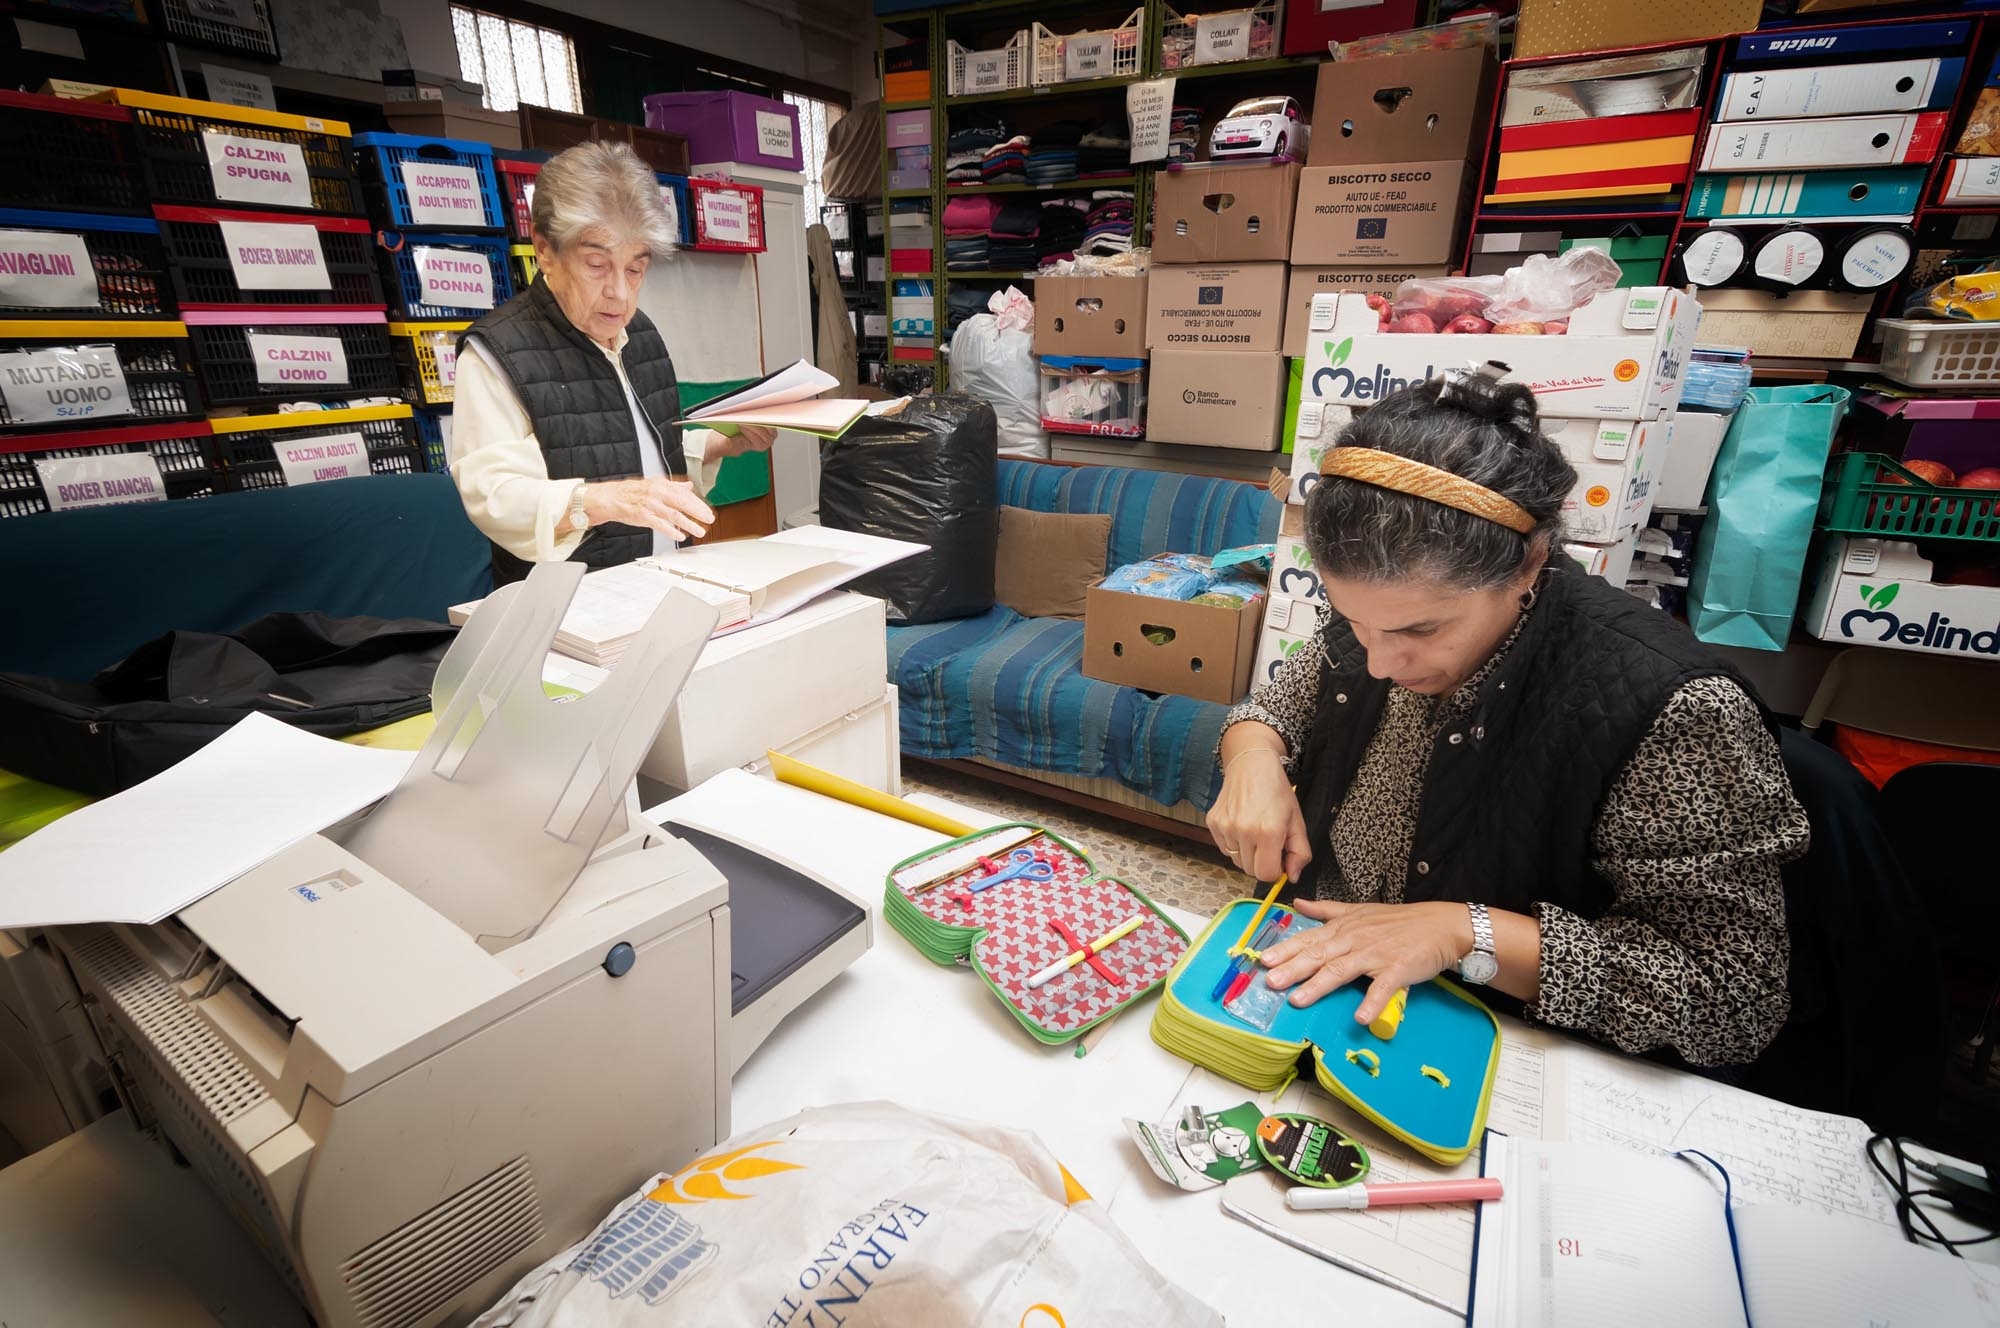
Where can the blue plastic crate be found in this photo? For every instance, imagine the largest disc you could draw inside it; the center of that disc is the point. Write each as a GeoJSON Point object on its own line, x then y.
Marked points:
{"type": "Point", "coordinates": [683, 204]}
{"type": "Point", "coordinates": [430, 437]}
{"type": "Point", "coordinates": [405, 290]}
{"type": "Point", "coordinates": [382, 158]}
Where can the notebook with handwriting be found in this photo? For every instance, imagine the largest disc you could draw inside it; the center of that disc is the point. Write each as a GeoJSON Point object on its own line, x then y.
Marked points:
{"type": "Point", "coordinates": [1590, 1235]}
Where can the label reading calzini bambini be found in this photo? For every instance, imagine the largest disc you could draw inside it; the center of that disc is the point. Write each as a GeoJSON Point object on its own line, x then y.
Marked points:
{"type": "Point", "coordinates": [257, 170]}
{"type": "Point", "coordinates": [65, 384]}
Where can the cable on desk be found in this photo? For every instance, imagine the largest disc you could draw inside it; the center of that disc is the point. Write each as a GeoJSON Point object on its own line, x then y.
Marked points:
{"type": "Point", "coordinates": [1908, 1211]}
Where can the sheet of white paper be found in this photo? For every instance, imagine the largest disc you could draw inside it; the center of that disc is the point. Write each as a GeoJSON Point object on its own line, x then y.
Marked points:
{"type": "Point", "coordinates": [795, 382]}
{"type": "Point", "coordinates": [859, 555]}
{"type": "Point", "coordinates": [1828, 1270]}
{"type": "Point", "coordinates": [159, 846]}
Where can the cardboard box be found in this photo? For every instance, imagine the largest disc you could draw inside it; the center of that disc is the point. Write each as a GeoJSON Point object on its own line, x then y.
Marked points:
{"type": "Point", "coordinates": [903, 129]}
{"type": "Point", "coordinates": [1224, 214]}
{"type": "Point", "coordinates": [1208, 653]}
{"type": "Point", "coordinates": [1237, 307]}
{"type": "Point", "coordinates": [1410, 212]}
{"type": "Point", "coordinates": [1288, 626]}
{"type": "Point", "coordinates": [1613, 562]}
{"type": "Point", "coordinates": [1809, 325]}
{"type": "Point", "coordinates": [1879, 593]}
{"type": "Point", "coordinates": [1623, 358]}
{"type": "Point", "coordinates": [450, 119]}
{"type": "Point", "coordinates": [1092, 316]}
{"type": "Point", "coordinates": [1294, 579]}
{"type": "Point", "coordinates": [1307, 282]}
{"type": "Point", "coordinates": [1423, 106]}
{"type": "Point", "coordinates": [1850, 140]}
{"type": "Point", "coordinates": [1319, 424]}
{"type": "Point", "coordinates": [1219, 398]}
{"type": "Point", "coordinates": [1697, 439]}
{"type": "Point", "coordinates": [1558, 27]}
{"type": "Point", "coordinates": [1617, 471]}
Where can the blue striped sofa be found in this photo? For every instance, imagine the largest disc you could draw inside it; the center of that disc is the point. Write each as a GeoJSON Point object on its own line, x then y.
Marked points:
{"type": "Point", "coordinates": [1010, 690]}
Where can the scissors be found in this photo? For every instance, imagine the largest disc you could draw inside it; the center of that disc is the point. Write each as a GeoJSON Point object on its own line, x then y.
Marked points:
{"type": "Point", "coordinates": [1020, 865]}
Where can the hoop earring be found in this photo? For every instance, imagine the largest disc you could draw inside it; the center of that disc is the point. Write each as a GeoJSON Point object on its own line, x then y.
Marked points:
{"type": "Point", "coordinates": [1534, 593]}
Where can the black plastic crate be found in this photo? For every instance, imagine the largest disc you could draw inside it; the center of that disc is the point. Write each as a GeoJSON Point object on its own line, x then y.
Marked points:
{"type": "Point", "coordinates": [250, 456]}
{"type": "Point", "coordinates": [125, 256]}
{"type": "Point", "coordinates": [176, 162]}
{"type": "Point", "coordinates": [204, 276]}
{"type": "Point", "coordinates": [185, 24]}
{"type": "Point", "coordinates": [222, 350]}
{"type": "Point", "coordinates": [59, 153]}
{"type": "Point", "coordinates": [185, 454]}
{"type": "Point", "coordinates": [431, 426]}
{"type": "Point", "coordinates": [153, 357]}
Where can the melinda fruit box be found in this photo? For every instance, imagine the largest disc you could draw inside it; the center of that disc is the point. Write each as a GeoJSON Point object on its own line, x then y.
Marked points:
{"type": "Point", "coordinates": [1618, 465]}
{"type": "Point", "coordinates": [1288, 626]}
{"type": "Point", "coordinates": [1879, 593]}
{"type": "Point", "coordinates": [1622, 358]}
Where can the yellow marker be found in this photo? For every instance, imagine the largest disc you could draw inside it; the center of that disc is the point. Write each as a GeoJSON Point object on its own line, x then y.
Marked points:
{"type": "Point", "coordinates": [1243, 942]}
{"type": "Point", "coordinates": [789, 770]}
{"type": "Point", "coordinates": [1385, 1024]}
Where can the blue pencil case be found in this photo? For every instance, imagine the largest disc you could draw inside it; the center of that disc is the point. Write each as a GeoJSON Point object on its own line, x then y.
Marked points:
{"type": "Point", "coordinates": [1429, 1084]}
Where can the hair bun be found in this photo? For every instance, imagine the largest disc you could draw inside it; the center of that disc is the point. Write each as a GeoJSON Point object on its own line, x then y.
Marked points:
{"type": "Point", "coordinates": [1482, 391]}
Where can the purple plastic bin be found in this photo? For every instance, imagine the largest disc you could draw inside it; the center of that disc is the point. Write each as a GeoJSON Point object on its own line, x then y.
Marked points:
{"type": "Point", "coordinates": [730, 126]}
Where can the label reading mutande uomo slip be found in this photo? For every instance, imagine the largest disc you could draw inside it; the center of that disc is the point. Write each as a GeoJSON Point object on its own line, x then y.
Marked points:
{"type": "Point", "coordinates": [66, 384]}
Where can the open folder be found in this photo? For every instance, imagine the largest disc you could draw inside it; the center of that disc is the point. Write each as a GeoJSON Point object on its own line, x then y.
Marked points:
{"type": "Point", "coordinates": [787, 399]}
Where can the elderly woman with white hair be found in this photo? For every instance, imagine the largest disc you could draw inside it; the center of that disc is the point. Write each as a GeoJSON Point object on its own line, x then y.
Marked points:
{"type": "Point", "coordinates": [567, 440]}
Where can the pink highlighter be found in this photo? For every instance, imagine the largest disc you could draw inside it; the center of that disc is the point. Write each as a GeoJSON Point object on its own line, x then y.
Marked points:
{"type": "Point", "coordinates": [1306, 1198]}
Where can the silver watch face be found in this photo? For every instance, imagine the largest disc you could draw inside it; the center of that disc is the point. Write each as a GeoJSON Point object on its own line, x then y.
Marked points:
{"type": "Point", "coordinates": [1479, 967]}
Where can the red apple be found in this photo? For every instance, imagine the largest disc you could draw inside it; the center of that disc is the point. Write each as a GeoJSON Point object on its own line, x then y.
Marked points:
{"type": "Point", "coordinates": [1556, 327]}
{"type": "Point", "coordinates": [1468, 323]}
{"type": "Point", "coordinates": [1419, 323]}
{"type": "Point", "coordinates": [1518, 329]}
{"type": "Point", "coordinates": [1986, 477]}
{"type": "Point", "coordinates": [1930, 472]}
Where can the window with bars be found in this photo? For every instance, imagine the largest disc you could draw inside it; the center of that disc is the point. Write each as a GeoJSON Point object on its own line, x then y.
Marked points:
{"type": "Point", "coordinates": [516, 62]}
{"type": "Point", "coordinates": [815, 117]}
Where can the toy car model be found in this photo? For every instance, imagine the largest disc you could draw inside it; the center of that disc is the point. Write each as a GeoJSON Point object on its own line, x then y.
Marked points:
{"type": "Point", "coordinates": [1261, 127]}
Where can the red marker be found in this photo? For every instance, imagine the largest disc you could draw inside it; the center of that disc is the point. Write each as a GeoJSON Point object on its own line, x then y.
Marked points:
{"type": "Point", "coordinates": [1237, 987]}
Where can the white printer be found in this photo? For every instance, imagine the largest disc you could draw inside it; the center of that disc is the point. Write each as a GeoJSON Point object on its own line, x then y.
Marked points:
{"type": "Point", "coordinates": [421, 1052]}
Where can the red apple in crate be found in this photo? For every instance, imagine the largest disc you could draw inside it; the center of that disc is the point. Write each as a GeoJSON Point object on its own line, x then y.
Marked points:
{"type": "Point", "coordinates": [1986, 477]}
{"type": "Point", "coordinates": [1556, 327]}
{"type": "Point", "coordinates": [1930, 472]}
{"type": "Point", "coordinates": [1518, 329]}
{"type": "Point", "coordinates": [1975, 574]}
{"type": "Point", "coordinates": [1419, 323]}
{"type": "Point", "coordinates": [1468, 323]}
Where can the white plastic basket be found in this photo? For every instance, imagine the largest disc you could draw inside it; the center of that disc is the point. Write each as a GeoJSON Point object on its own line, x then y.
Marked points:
{"type": "Point", "coordinates": [1119, 52]}
{"type": "Point", "coordinates": [1213, 39]}
{"type": "Point", "coordinates": [1919, 353]}
{"type": "Point", "coordinates": [962, 80]}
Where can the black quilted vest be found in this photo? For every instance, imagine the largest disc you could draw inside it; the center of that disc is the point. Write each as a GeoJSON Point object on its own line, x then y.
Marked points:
{"type": "Point", "coordinates": [578, 409]}
{"type": "Point", "coordinates": [1514, 788]}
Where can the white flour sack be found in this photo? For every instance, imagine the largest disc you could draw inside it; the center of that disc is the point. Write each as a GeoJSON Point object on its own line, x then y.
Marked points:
{"type": "Point", "coordinates": [866, 1215]}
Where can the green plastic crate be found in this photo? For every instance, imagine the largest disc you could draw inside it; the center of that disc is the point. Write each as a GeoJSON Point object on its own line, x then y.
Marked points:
{"type": "Point", "coordinates": [1870, 494]}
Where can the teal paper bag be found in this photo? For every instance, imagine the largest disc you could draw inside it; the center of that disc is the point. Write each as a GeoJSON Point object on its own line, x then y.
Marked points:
{"type": "Point", "coordinates": [1762, 498]}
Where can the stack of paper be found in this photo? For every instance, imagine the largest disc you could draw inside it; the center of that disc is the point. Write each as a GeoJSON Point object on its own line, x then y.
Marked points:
{"type": "Point", "coordinates": [612, 606]}
{"type": "Point", "coordinates": [748, 581]}
{"type": "Point", "coordinates": [783, 401]}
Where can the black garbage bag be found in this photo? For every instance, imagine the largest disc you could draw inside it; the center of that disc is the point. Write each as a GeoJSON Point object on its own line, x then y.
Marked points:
{"type": "Point", "coordinates": [178, 692]}
{"type": "Point", "coordinates": [930, 475]}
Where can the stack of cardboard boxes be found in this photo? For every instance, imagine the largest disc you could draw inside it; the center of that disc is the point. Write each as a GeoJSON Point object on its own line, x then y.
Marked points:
{"type": "Point", "coordinates": [1215, 304]}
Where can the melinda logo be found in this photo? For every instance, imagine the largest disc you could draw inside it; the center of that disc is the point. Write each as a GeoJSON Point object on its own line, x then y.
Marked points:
{"type": "Point", "coordinates": [1338, 383]}
{"type": "Point", "coordinates": [1936, 633]}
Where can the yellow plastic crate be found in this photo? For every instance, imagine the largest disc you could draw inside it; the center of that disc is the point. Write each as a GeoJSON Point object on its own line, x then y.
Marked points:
{"type": "Point", "coordinates": [428, 353]}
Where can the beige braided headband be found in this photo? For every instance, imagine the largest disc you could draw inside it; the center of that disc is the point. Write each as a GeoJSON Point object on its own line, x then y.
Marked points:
{"type": "Point", "coordinates": [1386, 470]}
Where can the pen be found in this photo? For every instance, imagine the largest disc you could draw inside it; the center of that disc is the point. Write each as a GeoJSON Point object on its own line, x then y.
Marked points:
{"type": "Point", "coordinates": [1240, 964]}
{"type": "Point", "coordinates": [1075, 957]}
{"type": "Point", "coordinates": [1307, 1199]}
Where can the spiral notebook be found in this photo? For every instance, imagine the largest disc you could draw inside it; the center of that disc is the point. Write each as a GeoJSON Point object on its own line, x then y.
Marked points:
{"type": "Point", "coordinates": [1590, 1235]}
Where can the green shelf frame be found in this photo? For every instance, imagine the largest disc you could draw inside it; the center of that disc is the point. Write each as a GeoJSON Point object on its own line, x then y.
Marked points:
{"type": "Point", "coordinates": [1066, 187]}
{"type": "Point", "coordinates": [992, 276]}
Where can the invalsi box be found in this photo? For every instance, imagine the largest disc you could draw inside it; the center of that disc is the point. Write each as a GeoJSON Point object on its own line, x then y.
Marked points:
{"type": "Point", "coordinates": [1623, 358]}
{"type": "Point", "coordinates": [1403, 212]}
{"type": "Point", "coordinates": [1238, 307]}
{"type": "Point", "coordinates": [1218, 398]}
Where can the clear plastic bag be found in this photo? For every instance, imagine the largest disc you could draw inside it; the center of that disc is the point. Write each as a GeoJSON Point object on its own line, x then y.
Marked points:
{"type": "Point", "coordinates": [1537, 297]}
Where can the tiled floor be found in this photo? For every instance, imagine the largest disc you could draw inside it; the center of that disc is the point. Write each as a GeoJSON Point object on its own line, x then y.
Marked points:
{"type": "Point", "coordinates": [1166, 869]}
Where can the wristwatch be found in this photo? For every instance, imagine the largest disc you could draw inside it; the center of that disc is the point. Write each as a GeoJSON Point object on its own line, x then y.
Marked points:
{"type": "Point", "coordinates": [1479, 964]}
{"type": "Point", "coordinates": [579, 519]}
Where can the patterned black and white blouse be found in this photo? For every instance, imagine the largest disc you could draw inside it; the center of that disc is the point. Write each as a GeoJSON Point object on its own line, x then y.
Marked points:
{"type": "Point", "coordinates": [1693, 952]}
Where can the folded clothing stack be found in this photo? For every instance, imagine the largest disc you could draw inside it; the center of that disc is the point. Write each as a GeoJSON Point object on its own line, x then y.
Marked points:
{"type": "Point", "coordinates": [963, 167]}
{"type": "Point", "coordinates": [978, 131]}
{"type": "Point", "coordinates": [1011, 240]}
{"type": "Point", "coordinates": [1108, 228]}
{"type": "Point", "coordinates": [1105, 150]}
{"type": "Point", "coordinates": [965, 253]}
{"type": "Point", "coordinates": [1053, 158]}
{"type": "Point", "coordinates": [1062, 228]}
{"type": "Point", "coordinates": [966, 221]}
{"type": "Point", "coordinates": [965, 302]}
{"type": "Point", "coordinates": [1184, 134]}
{"type": "Point", "coordinates": [1006, 162]}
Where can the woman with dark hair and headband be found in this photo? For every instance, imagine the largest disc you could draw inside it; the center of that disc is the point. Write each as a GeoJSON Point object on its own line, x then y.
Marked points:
{"type": "Point", "coordinates": [1507, 771]}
